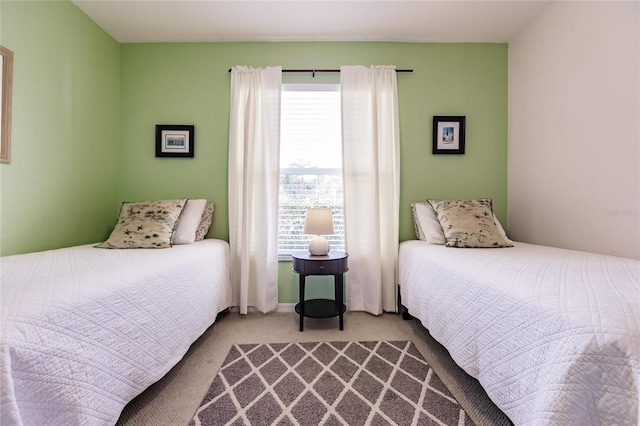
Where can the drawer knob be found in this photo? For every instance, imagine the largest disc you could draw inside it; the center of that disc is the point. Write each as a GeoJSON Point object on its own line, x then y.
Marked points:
{"type": "Point", "coordinates": [321, 266]}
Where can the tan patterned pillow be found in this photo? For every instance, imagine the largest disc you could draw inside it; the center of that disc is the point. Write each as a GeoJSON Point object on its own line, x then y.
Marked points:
{"type": "Point", "coordinates": [145, 224]}
{"type": "Point", "coordinates": [468, 223]}
{"type": "Point", "coordinates": [205, 222]}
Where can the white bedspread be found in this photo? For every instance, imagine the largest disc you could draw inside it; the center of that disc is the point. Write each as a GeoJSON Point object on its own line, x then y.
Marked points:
{"type": "Point", "coordinates": [552, 335]}
{"type": "Point", "coordinates": [85, 330]}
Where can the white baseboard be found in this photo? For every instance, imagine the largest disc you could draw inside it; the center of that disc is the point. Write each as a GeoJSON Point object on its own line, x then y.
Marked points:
{"type": "Point", "coordinates": [282, 307]}
{"type": "Point", "coordinates": [286, 307]}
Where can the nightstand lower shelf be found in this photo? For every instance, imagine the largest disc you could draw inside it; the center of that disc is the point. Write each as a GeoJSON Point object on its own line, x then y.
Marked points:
{"type": "Point", "coordinates": [320, 308]}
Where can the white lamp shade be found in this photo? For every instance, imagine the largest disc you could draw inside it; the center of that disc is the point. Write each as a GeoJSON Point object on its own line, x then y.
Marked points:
{"type": "Point", "coordinates": [318, 222]}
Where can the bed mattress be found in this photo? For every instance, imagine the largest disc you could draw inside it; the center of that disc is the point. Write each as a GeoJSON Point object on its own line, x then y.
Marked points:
{"type": "Point", "coordinates": [552, 335]}
{"type": "Point", "coordinates": [85, 330]}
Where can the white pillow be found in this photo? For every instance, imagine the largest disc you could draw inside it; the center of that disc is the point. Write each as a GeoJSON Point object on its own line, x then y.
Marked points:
{"type": "Point", "coordinates": [501, 230]}
{"type": "Point", "coordinates": [427, 226]}
{"type": "Point", "coordinates": [189, 222]}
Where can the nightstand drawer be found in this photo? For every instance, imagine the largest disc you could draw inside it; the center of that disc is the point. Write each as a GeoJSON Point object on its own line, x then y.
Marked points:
{"type": "Point", "coordinates": [319, 267]}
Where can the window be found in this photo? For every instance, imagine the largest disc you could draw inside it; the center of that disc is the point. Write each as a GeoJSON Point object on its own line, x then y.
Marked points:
{"type": "Point", "coordinates": [310, 163]}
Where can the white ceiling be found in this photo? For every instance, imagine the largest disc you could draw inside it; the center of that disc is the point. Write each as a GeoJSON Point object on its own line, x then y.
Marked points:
{"type": "Point", "coordinates": [135, 21]}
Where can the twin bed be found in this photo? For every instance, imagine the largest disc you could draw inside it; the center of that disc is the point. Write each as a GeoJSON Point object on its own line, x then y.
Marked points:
{"type": "Point", "coordinates": [552, 335]}
{"type": "Point", "coordinates": [85, 330]}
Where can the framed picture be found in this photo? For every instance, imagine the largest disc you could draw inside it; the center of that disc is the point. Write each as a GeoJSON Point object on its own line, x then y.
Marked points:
{"type": "Point", "coordinates": [6, 75]}
{"type": "Point", "coordinates": [174, 140]}
{"type": "Point", "coordinates": [448, 134]}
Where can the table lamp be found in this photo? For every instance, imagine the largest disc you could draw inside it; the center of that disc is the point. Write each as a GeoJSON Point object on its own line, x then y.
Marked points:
{"type": "Point", "coordinates": [318, 222]}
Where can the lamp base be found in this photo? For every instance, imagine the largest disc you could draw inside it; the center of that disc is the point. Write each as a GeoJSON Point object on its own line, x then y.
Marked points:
{"type": "Point", "coordinates": [318, 246]}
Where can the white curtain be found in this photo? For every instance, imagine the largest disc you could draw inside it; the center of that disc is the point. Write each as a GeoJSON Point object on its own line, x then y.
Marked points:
{"type": "Point", "coordinates": [254, 140]}
{"type": "Point", "coordinates": [371, 173]}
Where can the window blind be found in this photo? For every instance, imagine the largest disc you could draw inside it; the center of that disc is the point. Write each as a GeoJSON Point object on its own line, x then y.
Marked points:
{"type": "Point", "coordinates": [310, 163]}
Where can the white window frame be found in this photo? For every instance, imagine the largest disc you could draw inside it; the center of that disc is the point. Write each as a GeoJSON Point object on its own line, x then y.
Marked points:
{"type": "Point", "coordinates": [337, 240]}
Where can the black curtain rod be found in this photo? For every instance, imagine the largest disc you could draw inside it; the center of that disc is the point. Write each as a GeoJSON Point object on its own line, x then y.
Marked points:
{"type": "Point", "coordinates": [314, 71]}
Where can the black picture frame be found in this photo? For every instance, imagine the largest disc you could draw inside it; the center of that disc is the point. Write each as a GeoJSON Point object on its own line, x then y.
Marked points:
{"type": "Point", "coordinates": [174, 140]}
{"type": "Point", "coordinates": [448, 134]}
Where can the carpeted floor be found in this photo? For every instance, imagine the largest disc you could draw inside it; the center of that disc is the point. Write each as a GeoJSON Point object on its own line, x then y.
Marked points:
{"type": "Point", "coordinates": [328, 383]}
{"type": "Point", "coordinates": [174, 399]}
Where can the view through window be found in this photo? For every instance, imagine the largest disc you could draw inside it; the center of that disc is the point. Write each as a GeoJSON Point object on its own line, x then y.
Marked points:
{"type": "Point", "coordinates": [310, 163]}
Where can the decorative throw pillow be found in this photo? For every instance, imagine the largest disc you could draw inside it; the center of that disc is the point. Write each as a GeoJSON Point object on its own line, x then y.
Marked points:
{"type": "Point", "coordinates": [189, 222]}
{"type": "Point", "coordinates": [426, 224]}
{"type": "Point", "coordinates": [416, 223]}
{"type": "Point", "coordinates": [468, 223]}
{"type": "Point", "coordinates": [145, 224]}
{"type": "Point", "coordinates": [205, 222]}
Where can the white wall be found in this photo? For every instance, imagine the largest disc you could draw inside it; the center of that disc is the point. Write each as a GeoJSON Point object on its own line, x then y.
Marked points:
{"type": "Point", "coordinates": [574, 129]}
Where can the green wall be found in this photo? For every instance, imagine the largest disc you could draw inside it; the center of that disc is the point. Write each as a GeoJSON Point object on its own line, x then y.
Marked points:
{"type": "Point", "coordinates": [177, 83]}
{"type": "Point", "coordinates": [174, 84]}
{"type": "Point", "coordinates": [85, 110]}
{"type": "Point", "coordinates": [60, 188]}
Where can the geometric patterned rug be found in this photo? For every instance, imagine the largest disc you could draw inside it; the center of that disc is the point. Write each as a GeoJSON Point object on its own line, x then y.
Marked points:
{"type": "Point", "coordinates": [328, 383]}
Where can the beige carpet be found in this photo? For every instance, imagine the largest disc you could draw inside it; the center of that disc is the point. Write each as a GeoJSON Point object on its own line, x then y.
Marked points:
{"type": "Point", "coordinates": [174, 399]}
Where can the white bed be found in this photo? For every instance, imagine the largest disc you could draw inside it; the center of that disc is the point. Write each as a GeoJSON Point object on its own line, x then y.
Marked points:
{"type": "Point", "coordinates": [85, 330]}
{"type": "Point", "coordinates": [552, 335]}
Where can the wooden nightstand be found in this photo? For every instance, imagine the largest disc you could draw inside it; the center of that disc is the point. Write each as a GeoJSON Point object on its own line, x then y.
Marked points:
{"type": "Point", "coordinates": [334, 263]}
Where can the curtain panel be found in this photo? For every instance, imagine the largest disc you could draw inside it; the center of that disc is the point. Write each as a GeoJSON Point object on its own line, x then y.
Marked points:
{"type": "Point", "coordinates": [371, 175]}
{"type": "Point", "coordinates": [254, 140]}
